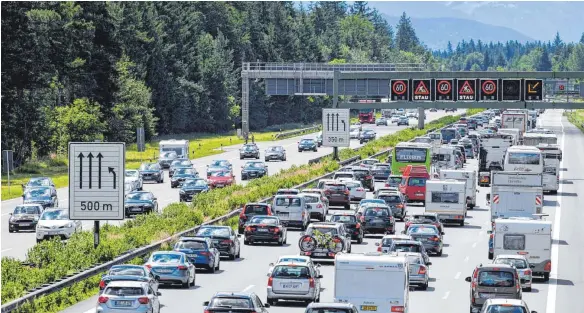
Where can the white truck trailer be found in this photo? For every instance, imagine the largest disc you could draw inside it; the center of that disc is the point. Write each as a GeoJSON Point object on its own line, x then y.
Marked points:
{"type": "Point", "coordinates": [181, 147]}
{"type": "Point", "coordinates": [447, 198]}
{"type": "Point", "coordinates": [515, 119]}
{"type": "Point", "coordinates": [468, 176]}
{"type": "Point", "coordinates": [515, 194]}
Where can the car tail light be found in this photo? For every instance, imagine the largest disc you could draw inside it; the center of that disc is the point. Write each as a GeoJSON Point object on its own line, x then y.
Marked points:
{"type": "Point", "coordinates": [248, 228]}
{"type": "Point", "coordinates": [303, 214]}
{"type": "Point", "coordinates": [319, 206]}
{"type": "Point", "coordinates": [548, 266]}
{"type": "Point", "coordinates": [276, 230]}
{"type": "Point", "coordinates": [242, 214]}
{"type": "Point", "coordinates": [358, 226]}
{"type": "Point", "coordinates": [386, 185]}
{"type": "Point", "coordinates": [311, 281]}
{"type": "Point", "coordinates": [270, 281]}
{"type": "Point", "coordinates": [528, 272]}
{"type": "Point", "coordinates": [148, 266]}
{"type": "Point", "coordinates": [182, 267]}
{"type": "Point", "coordinates": [399, 206]}
{"type": "Point", "coordinates": [379, 249]}
{"type": "Point", "coordinates": [102, 299]}
{"type": "Point", "coordinates": [143, 300]}
{"type": "Point", "coordinates": [205, 253]}
{"type": "Point", "coordinates": [474, 279]}
{"type": "Point", "coordinates": [397, 309]}
{"type": "Point", "coordinates": [101, 284]}
{"type": "Point", "coordinates": [434, 238]}
{"type": "Point", "coordinates": [422, 270]}
{"type": "Point", "coordinates": [369, 177]}
{"type": "Point", "coordinates": [360, 189]}
{"type": "Point", "coordinates": [347, 192]}
{"type": "Point", "coordinates": [207, 311]}
{"type": "Point", "coordinates": [408, 224]}
{"type": "Point", "coordinates": [226, 242]}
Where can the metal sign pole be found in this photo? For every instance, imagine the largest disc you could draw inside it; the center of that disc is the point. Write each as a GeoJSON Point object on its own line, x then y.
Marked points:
{"type": "Point", "coordinates": [8, 173]}
{"type": "Point", "coordinates": [95, 234]}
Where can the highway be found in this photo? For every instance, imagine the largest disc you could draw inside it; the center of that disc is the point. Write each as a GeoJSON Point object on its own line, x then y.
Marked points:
{"type": "Point", "coordinates": [465, 247]}
{"type": "Point", "coordinates": [17, 244]}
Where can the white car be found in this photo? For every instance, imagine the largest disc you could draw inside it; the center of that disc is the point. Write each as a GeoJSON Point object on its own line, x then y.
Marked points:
{"type": "Point", "coordinates": [293, 281]}
{"type": "Point", "coordinates": [355, 132]}
{"type": "Point", "coordinates": [356, 190]}
{"type": "Point", "coordinates": [317, 208]}
{"type": "Point", "coordinates": [412, 114]}
{"type": "Point", "coordinates": [504, 306]}
{"type": "Point", "coordinates": [56, 222]}
{"type": "Point", "coordinates": [134, 177]}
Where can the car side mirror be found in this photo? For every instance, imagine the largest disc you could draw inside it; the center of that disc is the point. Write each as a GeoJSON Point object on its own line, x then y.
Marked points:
{"type": "Point", "coordinates": [443, 233]}
{"type": "Point", "coordinates": [238, 235]}
{"type": "Point", "coordinates": [411, 288]}
{"type": "Point", "coordinates": [158, 293]}
{"type": "Point", "coordinates": [206, 303]}
{"type": "Point", "coordinates": [489, 231]}
{"type": "Point", "coordinates": [268, 274]}
{"type": "Point", "coordinates": [156, 277]}
{"type": "Point", "coordinates": [266, 305]}
{"type": "Point", "coordinates": [468, 279]}
{"type": "Point", "coordinates": [533, 311]}
{"type": "Point", "coordinates": [271, 264]}
{"type": "Point", "coordinates": [154, 198]}
{"type": "Point", "coordinates": [11, 214]}
{"type": "Point", "coordinates": [319, 276]}
{"type": "Point", "coordinates": [377, 244]}
{"type": "Point", "coordinates": [428, 263]}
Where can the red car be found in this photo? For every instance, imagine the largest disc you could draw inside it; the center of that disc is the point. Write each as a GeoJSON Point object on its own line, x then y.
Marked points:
{"type": "Point", "coordinates": [221, 179]}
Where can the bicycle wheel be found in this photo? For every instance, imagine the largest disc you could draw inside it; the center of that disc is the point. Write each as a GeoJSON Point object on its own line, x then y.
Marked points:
{"type": "Point", "coordinates": [307, 243]}
{"type": "Point", "coordinates": [336, 244]}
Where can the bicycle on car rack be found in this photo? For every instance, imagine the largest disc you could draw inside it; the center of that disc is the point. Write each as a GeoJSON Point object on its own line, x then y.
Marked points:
{"type": "Point", "coordinates": [318, 240]}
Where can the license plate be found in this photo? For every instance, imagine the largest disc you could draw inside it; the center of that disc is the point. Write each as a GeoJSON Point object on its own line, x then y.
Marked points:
{"type": "Point", "coordinates": [419, 194]}
{"type": "Point", "coordinates": [124, 303]}
{"type": "Point", "coordinates": [192, 255]}
{"type": "Point", "coordinates": [283, 214]}
{"type": "Point", "coordinates": [290, 286]}
{"type": "Point", "coordinates": [368, 308]}
{"type": "Point", "coordinates": [220, 185]}
{"type": "Point", "coordinates": [24, 224]}
{"type": "Point", "coordinates": [319, 254]}
{"type": "Point", "coordinates": [164, 270]}
{"type": "Point", "coordinates": [263, 230]}
{"type": "Point", "coordinates": [136, 209]}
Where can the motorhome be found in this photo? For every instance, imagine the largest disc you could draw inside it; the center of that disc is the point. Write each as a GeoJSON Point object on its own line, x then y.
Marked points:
{"type": "Point", "coordinates": [447, 198]}
{"type": "Point", "coordinates": [515, 119]}
{"type": "Point", "coordinates": [512, 131]}
{"type": "Point", "coordinates": [373, 282]}
{"type": "Point", "coordinates": [524, 236]}
{"type": "Point", "coordinates": [492, 155]}
{"type": "Point", "coordinates": [444, 157]}
{"type": "Point", "coordinates": [180, 147]}
{"type": "Point", "coordinates": [552, 156]}
{"type": "Point", "coordinates": [523, 158]}
{"type": "Point", "coordinates": [468, 176]}
{"type": "Point", "coordinates": [515, 194]}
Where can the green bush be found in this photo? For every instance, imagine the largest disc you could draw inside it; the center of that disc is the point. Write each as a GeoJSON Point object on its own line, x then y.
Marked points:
{"type": "Point", "coordinates": [54, 259]}
{"type": "Point", "coordinates": [577, 118]}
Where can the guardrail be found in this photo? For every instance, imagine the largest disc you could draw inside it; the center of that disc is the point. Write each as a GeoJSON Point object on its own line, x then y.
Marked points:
{"type": "Point", "coordinates": [296, 132]}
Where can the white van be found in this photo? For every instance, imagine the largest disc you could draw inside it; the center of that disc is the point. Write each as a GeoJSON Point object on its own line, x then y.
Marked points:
{"type": "Point", "coordinates": [524, 236]}
{"type": "Point", "coordinates": [373, 282]}
{"type": "Point", "coordinates": [292, 210]}
{"type": "Point", "coordinates": [447, 198]}
{"type": "Point", "coordinates": [468, 176]}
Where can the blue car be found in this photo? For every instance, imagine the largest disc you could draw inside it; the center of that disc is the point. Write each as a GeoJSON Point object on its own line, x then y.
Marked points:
{"type": "Point", "coordinates": [200, 252]}
{"type": "Point", "coordinates": [182, 174]}
{"type": "Point", "coordinates": [218, 166]}
{"type": "Point", "coordinates": [192, 187]}
{"type": "Point", "coordinates": [307, 144]}
{"type": "Point", "coordinates": [381, 171]}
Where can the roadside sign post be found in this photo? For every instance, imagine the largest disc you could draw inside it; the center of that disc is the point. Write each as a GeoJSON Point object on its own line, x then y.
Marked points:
{"type": "Point", "coordinates": [335, 127]}
{"type": "Point", "coordinates": [140, 141]}
{"type": "Point", "coordinates": [8, 165]}
{"type": "Point", "coordinates": [96, 182]}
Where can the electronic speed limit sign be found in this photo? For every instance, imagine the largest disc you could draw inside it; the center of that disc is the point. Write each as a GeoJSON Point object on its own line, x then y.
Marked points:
{"type": "Point", "coordinates": [399, 90]}
{"type": "Point", "coordinates": [444, 90]}
{"type": "Point", "coordinates": [489, 89]}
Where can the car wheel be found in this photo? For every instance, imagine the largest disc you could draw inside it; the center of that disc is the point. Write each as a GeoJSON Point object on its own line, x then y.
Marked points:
{"type": "Point", "coordinates": [546, 276]}
{"type": "Point", "coordinates": [424, 286]}
{"type": "Point", "coordinates": [490, 255]}
{"type": "Point", "coordinates": [299, 150]}
{"type": "Point", "coordinates": [10, 230]}
{"type": "Point", "coordinates": [258, 157]}
{"type": "Point", "coordinates": [212, 268]}
{"type": "Point", "coordinates": [281, 242]}
{"type": "Point", "coordinates": [241, 158]}
{"type": "Point", "coordinates": [528, 289]}
{"type": "Point", "coordinates": [265, 160]}
{"type": "Point", "coordinates": [238, 253]}
{"type": "Point", "coordinates": [285, 239]}
{"type": "Point", "coordinates": [186, 285]}
{"type": "Point", "coordinates": [284, 159]}
{"type": "Point", "coordinates": [347, 206]}
{"type": "Point", "coordinates": [218, 265]}
{"type": "Point", "coordinates": [272, 302]}
{"type": "Point", "coordinates": [439, 253]}
{"type": "Point", "coordinates": [232, 257]}
{"type": "Point", "coordinates": [360, 240]}
{"type": "Point", "coordinates": [246, 242]}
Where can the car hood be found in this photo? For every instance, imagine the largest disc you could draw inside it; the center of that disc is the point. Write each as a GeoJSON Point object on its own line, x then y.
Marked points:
{"type": "Point", "coordinates": [219, 179]}
{"type": "Point", "coordinates": [51, 223]}
{"type": "Point", "coordinates": [194, 188]}
{"type": "Point", "coordinates": [25, 216]}
{"type": "Point", "coordinates": [130, 179]}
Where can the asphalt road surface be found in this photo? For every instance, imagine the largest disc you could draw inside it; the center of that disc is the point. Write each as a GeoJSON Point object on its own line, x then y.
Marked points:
{"type": "Point", "coordinates": [465, 247]}
{"type": "Point", "coordinates": [17, 244]}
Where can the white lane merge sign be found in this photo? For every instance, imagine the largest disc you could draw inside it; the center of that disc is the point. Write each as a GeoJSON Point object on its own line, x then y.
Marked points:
{"type": "Point", "coordinates": [96, 180]}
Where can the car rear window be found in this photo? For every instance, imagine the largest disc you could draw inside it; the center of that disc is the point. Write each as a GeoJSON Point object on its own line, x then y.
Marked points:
{"type": "Point", "coordinates": [377, 212]}
{"type": "Point", "coordinates": [291, 272]}
{"type": "Point", "coordinates": [256, 209]}
{"type": "Point", "coordinates": [124, 291]}
{"type": "Point", "coordinates": [344, 175]}
{"type": "Point", "coordinates": [518, 263]}
{"type": "Point", "coordinates": [407, 247]}
{"type": "Point", "coordinates": [424, 218]}
{"type": "Point", "coordinates": [335, 187]}
{"type": "Point", "coordinates": [195, 245]}
{"type": "Point", "coordinates": [287, 192]}
{"type": "Point", "coordinates": [361, 173]}
{"type": "Point", "coordinates": [353, 184]}
{"type": "Point", "coordinates": [344, 218]}
{"type": "Point", "coordinates": [496, 279]}
{"type": "Point", "coordinates": [328, 310]}
{"type": "Point", "coordinates": [311, 199]}
{"type": "Point", "coordinates": [129, 271]}
{"type": "Point", "coordinates": [422, 230]}
{"type": "Point", "coordinates": [292, 202]}
{"type": "Point", "coordinates": [390, 199]}
{"type": "Point", "coordinates": [231, 303]}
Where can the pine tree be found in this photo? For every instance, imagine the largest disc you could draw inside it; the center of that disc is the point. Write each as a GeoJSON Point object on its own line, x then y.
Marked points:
{"type": "Point", "coordinates": [557, 41]}
{"type": "Point", "coordinates": [406, 39]}
{"type": "Point", "coordinates": [582, 38]}
{"type": "Point", "coordinates": [449, 49]}
{"type": "Point", "coordinates": [544, 64]}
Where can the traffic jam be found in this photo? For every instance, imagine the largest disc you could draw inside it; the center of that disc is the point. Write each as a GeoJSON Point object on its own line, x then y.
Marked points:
{"type": "Point", "coordinates": [407, 204]}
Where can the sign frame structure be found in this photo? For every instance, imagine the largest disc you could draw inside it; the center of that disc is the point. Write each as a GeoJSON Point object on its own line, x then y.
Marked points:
{"type": "Point", "coordinates": [516, 97]}
{"type": "Point", "coordinates": [460, 84]}
{"type": "Point", "coordinates": [440, 94]}
{"type": "Point", "coordinates": [493, 96]}
{"type": "Point", "coordinates": [533, 89]}
{"type": "Point", "coordinates": [90, 197]}
{"type": "Point", "coordinates": [404, 95]}
{"type": "Point", "coordinates": [423, 96]}
{"type": "Point", "coordinates": [336, 125]}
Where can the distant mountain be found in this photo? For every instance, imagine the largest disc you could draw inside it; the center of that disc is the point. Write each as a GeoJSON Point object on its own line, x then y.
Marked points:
{"type": "Point", "coordinates": [539, 20]}
{"type": "Point", "coordinates": [436, 32]}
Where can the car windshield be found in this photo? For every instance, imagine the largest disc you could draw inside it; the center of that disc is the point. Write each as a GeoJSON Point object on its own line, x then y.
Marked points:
{"type": "Point", "coordinates": [264, 220]}
{"type": "Point", "coordinates": [352, 185]}
{"type": "Point", "coordinates": [254, 165]}
{"type": "Point", "coordinates": [248, 148]}
{"type": "Point", "coordinates": [496, 279]}
{"type": "Point", "coordinates": [377, 212]}
{"type": "Point", "coordinates": [139, 196]}
{"type": "Point", "coordinates": [54, 215]}
{"type": "Point", "coordinates": [195, 183]}
{"type": "Point", "coordinates": [132, 173]}
{"type": "Point", "coordinates": [324, 230]}
{"type": "Point", "coordinates": [221, 174]}
{"type": "Point", "coordinates": [422, 230]}
{"type": "Point", "coordinates": [285, 201]}
{"type": "Point", "coordinates": [274, 149]}
{"type": "Point", "coordinates": [213, 232]}
{"type": "Point", "coordinates": [417, 182]}
{"type": "Point", "coordinates": [168, 155]}
{"type": "Point", "coordinates": [242, 303]}
{"type": "Point", "coordinates": [184, 171]}
{"type": "Point", "coordinates": [344, 219]}
{"type": "Point", "coordinates": [369, 132]}
{"type": "Point", "coordinates": [124, 291]}
{"type": "Point", "coordinates": [39, 182]}
{"type": "Point", "coordinates": [26, 210]}
{"type": "Point", "coordinates": [191, 244]}
{"type": "Point", "coordinates": [129, 271]}
{"type": "Point", "coordinates": [407, 247]}
{"type": "Point", "coordinates": [497, 308]}
{"type": "Point", "coordinates": [256, 209]}
{"type": "Point", "coordinates": [37, 193]}
{"type": "Point", "coordinates": [518, 263]}
{"type": "Point", "coordinates": [166, 258]}
{"type": "Point", "coordinates": [291, 272]}
{"type": "Point", "coordinates": [149, 167]}
{"type": "Point", "coordinates": [220, 163]}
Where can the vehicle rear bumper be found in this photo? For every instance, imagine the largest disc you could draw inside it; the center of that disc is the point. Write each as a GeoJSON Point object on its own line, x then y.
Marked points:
{"type": "Point", "coordinates": [262, 237]}
{"type": "Point", "coordinates": [173, 279]}
{"type": "Point", "coordinates": [293, 223]}
{"type": "Point", "coordinates": [418, 279]}
{"type": "Point", "coordinates": [378, 229]}
{"type": "Point", "coordinates": [310, 295]}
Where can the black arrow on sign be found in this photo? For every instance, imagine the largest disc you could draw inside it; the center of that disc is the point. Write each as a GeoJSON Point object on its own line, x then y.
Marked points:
{"type": "Point", "coordinates": [337, 121]}
{"type": "Point", "coordinates": [327, 121]}
{"type": "Point", "coordinates": [99, 157]}
{"type": "Point", "coordinates": [111, 170]}
{"type": "Point", "coordinates": [80, 156]}
{"type": "Point", "coordinates": [344, 125]}
{"type": "Point", "coordinates": [90, 157]}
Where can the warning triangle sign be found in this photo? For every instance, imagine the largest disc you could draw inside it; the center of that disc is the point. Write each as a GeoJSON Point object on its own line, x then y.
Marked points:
{"type": "Point", "coordinates": [422, 89]}
{"type": "Point", "coordinates": [466, 89]}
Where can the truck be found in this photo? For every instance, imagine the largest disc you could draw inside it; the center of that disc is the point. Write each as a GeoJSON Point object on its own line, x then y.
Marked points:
{"type": "Point", "coordinates": [531, 238]}
{"type": "Point", "coordinates": [492, 155]}
{"type": "Point", "coordinates": [367, 116]}
{"type": "Point", "coordinates": [387, 113]}
{"type": "Point", "coordinates": [515, 119]}
{"type": "Point", "coordinates": [373, 281]}
{"type": "Point", "coordinates": [534, 139]}
{"type": "Point", "coordinates": [180, 147]}
{"type": "Point", "coordinates": [447, 198]}
{"type": "Point", "coordinates": [468, 176]}
{"type": "Point", "coordinates": [515, 194]}
{"type": "Point", "coordinates": [515, 132]}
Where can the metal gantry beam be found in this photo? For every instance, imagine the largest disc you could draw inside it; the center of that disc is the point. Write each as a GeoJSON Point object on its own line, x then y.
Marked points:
{"type": "Point", "coordinates": [463, 105]}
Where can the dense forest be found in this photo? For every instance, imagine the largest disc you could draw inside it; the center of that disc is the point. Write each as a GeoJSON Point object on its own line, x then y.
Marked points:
{"type": "Point", "coordinates": [81, 71]}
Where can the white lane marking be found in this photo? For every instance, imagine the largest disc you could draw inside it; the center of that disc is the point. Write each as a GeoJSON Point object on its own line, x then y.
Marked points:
{"type": "Point", "coordinates": [457, 276]}
{"type": "Point", "coordinates": [486, 222]}
{"type": "Point", "coordinates": [466, 259]}
{"type": "Point", "coordinates": [446, 295]}
{"type": "Point", "coordinates": [474, 245]}
{"type": "Point", "coordinates": [5, 214]}
{"type": "Point", "coordinates": [553, 284]}
{"type": "Point", "coordinates": [480, 233]}
{"type": "Point", "coordinates": [248, 288]}
{"type": "Point", "coordinates": [91, 311]}
{"type": "Point", "coordinates": [4, 250]}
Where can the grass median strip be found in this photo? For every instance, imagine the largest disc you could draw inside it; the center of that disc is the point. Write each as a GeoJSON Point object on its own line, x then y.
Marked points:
{"type": "Point", "coordinates": [51, 260]}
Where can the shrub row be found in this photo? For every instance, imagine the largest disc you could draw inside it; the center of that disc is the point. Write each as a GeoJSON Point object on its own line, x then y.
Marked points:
{"type": "Point", "coordinates": [577, 118]}
{"type": "Point", "coordinates": [51, 260]}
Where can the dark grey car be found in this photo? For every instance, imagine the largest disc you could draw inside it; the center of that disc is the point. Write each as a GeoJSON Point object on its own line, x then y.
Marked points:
{"type": "Point", "coordinates": [275, 153]}
{"type": "Point", "coordinates": [166, 158]}
{"type": "Point", "coordinates": [491, 281]}
{"type": "Point", "coordinates": [249, 151]}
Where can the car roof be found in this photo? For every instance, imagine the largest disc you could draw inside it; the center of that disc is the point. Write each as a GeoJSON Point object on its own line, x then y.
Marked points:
{"type": "Point", "coordinates": [168, 252]}
{"type": "Point", "coordinates": [141, 192]}
{"type": "Point", "coordinates": [127, 283]}
{"type": "Point", "coordinates": [408, 242]}
{"type": "Point", "coordinates": [243, 295]}
{"type": "Point", "coordinates": [496, 266]}
{"type": "Point", "coordinates": [292, 263]}
{"type": "Point", "coordinates": [128, 266]}
{"type": "Point", "coordinates": [405, 237]}
{"type": "Point", "coordinates": [511, 256]}
{"type": "Point", "coordinates": [516, 302]}
{"type": "Point", "coordinates": [315, 305]}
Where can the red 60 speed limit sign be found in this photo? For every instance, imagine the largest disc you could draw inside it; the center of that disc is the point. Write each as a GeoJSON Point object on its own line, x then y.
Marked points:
{"type": "Point", "coordinates": [399, 87]}
{"type": "Point", "coordinates": [444, 87]}
{"type": "Point", "coordinates": [489, 87]}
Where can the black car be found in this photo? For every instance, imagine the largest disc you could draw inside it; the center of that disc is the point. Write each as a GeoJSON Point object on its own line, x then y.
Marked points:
{"type": "Point", "coordinates": [218, 166]}
{"type": "Point", "coordinates": [179, 163]}
{"type": "Point", "coordinates": [223, 238]}
{"type": "Point", "coordinates": [367, 135]}
{"type": "Point", "coordinates": [140, 202]}
{"type": "Point", "coordinates": [249, 151]}
{"type": "Point", "coordinates": [275, 153]}
{"type": "Point", "coordinates": [240, 302]}
{"type": "Point", "coordinates": [166, 158]}
{"type": "Point", "coordinates": [365, 177]}
{"type": "Point", "coordinates": [396, 202]}
{"type": "Point", "coordinates": [182, 174]}
{"type": "Point", "coordinates": [152, 172]}
{"type": "Point", "coordinates": [265, 228]}
{"type": "Point", "coordinates": [45, 196]}
{"type": "Point", "coordinates": [253, 170]}
{"type": "Point", "coordinates": [429, 236]}
{"type": "Point", "coordinates": [352, 225]}
{"type": "Point", "coordinates": [381, 171]}
{"type": "Point", "coordinates": [307, 144]}
{"type": "Point", "coordinates": [129, 272]}
{"type": "Point", "coordinates": [24, 216]}
{"type": "Point", "coordinates": [250, 210]}
{"type": "Point", "coordinates": [403, 121]}
{"type": "Point", "coordinates": [192, 187]}
{"type": "Point", "coordinates": [377, 220]}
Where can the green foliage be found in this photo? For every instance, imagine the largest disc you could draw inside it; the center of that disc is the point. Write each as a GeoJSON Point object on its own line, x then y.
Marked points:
{"type": "Point", "coordinates": [576, 117]}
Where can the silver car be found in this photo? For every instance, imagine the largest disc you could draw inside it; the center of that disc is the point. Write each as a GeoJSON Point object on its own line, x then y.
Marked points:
{"type": "Point", "coordinates": [521, 264]}
{"type": "Point", "coordinates": [172, 267]}
{"type": "Point", "coordinates": [275, 153]}
{"type": "Point", "coordinates": [293, 281]}
{"type": "Point", "coordinates": [505, 306]}
{"type": "Point", "coordinates": [419, 270]}
{"type": "Point", "coordinates": [133, 177]}
{"type": "Point", "coordinates": [128, 296]}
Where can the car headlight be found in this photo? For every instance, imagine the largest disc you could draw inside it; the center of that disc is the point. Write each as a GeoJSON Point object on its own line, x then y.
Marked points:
{"type": "Point", "coordinates": [36, 218]}
{"type": "Point", "coordinates": [13, 219]}
{"type": "Point", "coordinates": [181, 191]}
{"type": "Point", "coordinates": [70, 224]}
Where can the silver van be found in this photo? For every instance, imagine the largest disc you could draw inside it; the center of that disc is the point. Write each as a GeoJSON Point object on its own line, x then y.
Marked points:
{"type": "Point", "coordinates": [292, 210]}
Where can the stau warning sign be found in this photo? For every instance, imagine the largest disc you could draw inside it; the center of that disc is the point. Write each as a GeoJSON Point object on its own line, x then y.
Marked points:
{"type": "Point", "coordinates": [421, 89]}
{"type": "Point", "coordinates": [466, 89]}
